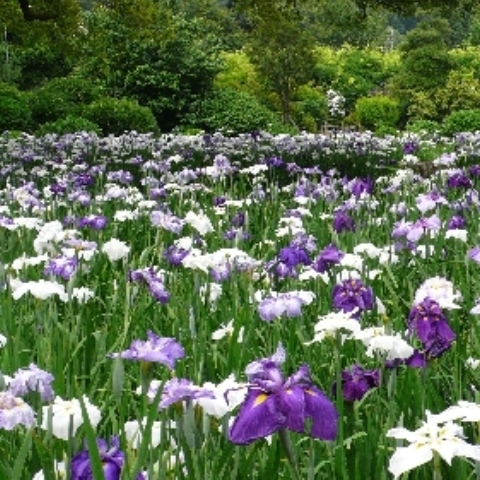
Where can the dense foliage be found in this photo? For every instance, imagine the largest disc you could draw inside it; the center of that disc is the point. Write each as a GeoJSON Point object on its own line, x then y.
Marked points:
{"type": "Point", "coordinates": [184, 60]}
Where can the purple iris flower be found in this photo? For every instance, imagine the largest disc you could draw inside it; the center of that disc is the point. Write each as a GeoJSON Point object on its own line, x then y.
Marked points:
{"type": "Point", "coordinates": [221, 272]}
{"type": "Point", "coordinates": [410, 147]}
{"type": "Point", "coordinates": [219, 201]}
{"type": "Point", "coordinates": [153, 281]}
{"type": "Point", "coordinates": [167, 221]}
{"type": "Point", "coordinates": [459, 180]}
{"type": "Point", "coordinates": [175, 255]}
{"type": "Point", "coordinates": [293, 256]}
{"type": "Point", "coordinates": [238, 220]}
{"type": "Point", "coordinates": [305, 242]}
{"type": "Point", "coordinates": [343, 222]}
{"type": "Point", "coordinates": [328, 257]}
{"type": "Point", "coordinates": [158, 291]}
{"type": "Point", "coordinates": [156, 193]}
{"type": "Point", "coordinates": [427, 321]}
{"type": "Point", "coordinates": [474, 170]}
{"type": "Point", "coordinates": [112, 459]}
{"type": "Point", "coordinates": [156, 349]}
{"type": "Point", "coordinates": [275, 162]}
{"type": "Point", "coordinates": [58, 188]}
{"type": "Point", "coordinates": [356, 382]}
{"type": "Point", "coordinates": [361, 185]}
{"type": "Point", "coordinates": [352, 295]}
{"type": "Point", "coordinates": [236, 234]}
{"type": "Point", "coordinates": [62, 266]}
{"type": "Point", "coordinates": [83, 180]}
{"type": "Point", "coordinates": [456, 222]}
{"type": "Point", "coordinates": [97, 222]}
{"type": "Point", "coordinates": [274, 403]}
{"type": "Point", "coordinates": [417, 360]}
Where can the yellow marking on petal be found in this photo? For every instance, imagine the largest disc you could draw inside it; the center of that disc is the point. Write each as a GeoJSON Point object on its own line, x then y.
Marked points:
{"type": "Point", "coordinates": [260, 399]}
{"type": "Point", "coordinates": [311, 393]}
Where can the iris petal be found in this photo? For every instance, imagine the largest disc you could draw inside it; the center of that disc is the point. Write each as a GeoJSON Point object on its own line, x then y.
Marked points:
{"type": "Point", "coordinates": [259, 417]}
{"type": "Point", "coordinates": [323, 414]}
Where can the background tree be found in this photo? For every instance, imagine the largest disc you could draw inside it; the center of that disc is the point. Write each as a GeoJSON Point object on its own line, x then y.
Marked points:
{"type": "Point", "coordinates": [425, 66]}
{"type": "Point", "coordinates": [281, 50]}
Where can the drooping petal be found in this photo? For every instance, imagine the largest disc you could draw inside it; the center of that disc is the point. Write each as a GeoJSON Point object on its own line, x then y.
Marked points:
{"type": "Point", "coordinates": [323, 413]}
{"type": "Point", "coordinates": [408, 458]}
{"type": "Point", "coordinates": [259, 417]}
{"type": "Point", "coordinates": [292, 404]}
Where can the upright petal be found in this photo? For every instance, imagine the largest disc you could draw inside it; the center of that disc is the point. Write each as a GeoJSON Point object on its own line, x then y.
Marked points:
{"type": "Point", "coordinates": [323, 413]}
{"type": "Point", "coordinates": [259, 417]}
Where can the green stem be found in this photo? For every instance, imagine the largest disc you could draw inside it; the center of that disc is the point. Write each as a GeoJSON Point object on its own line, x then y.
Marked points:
{"type": "Point", "coordinates": [339, 451]}
{"type": "Point", "coordinates": [286, 442]}
{"type": "Point", "coordinates": [437, 467]}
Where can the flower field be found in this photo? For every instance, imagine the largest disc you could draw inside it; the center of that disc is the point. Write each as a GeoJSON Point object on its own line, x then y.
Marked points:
{"type": "Point", "coordinates": [251, 307]}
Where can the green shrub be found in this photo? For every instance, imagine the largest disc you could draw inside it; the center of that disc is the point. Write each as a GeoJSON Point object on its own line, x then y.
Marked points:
{"type": "Point", "coordinates": [373, 112]}
{"type": "Point", "coordinates": [309, 110]}
{"type": "Point", "coordinates": [39, 64]}
{"type": "Point", "coordinates": [231, 111]}
{"type": "Point", "coordinates": [238, 73]}
{"type": "Point", "coordinates": [461, 92]}
{"type": "Point", "coordinates": [462, 121]}
{"type": "Point", "coordinates": [14, 111]}
{"type": "Point", "coordinates": [70, 124]}
{"type": "Point", "coordinates": [420, 126]}
{"type": "Point", "coordinates": [423, 106]}
{"type": "Point", "coordinates": [61, 97]}
{"type": "Point", "coordinates": [116, 116]}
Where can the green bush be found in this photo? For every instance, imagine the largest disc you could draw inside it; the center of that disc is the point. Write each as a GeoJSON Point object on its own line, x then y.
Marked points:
{"type": "Point", "coordinates": [420, 126]}
{"type": "Point", "coordinates": [39, 64]}
{"type": "Point", "coordinates": [61, 97]}
{"type": "Point", "coordinates": [233, 112]}
{"type": "Point", "coordinates": [373, 112]}
{"type": "Point", "coordinates": [462, 121]}
{"type": "Point", "coordinates": [70, 124]}
{"type": "Point", "coordinates": [116, 116]}
{"type": "Point", "coordinates": [14, 110]}
{"type": "Point", "coordinates": [461, 92]}
{"type": "Point", "coordinates": [423, 106]}
{"type": "Point", "coordinates": [309, 110]}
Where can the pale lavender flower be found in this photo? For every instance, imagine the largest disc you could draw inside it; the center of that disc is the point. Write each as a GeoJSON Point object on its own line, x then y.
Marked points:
{"type": "Point", "coordinates": [14, 411]}
{"type": "Point", "coordinates": [180, 389]}
{"type": "Point", "coordinates": [156, 349]}
{"type": "Point", "coordinates": [62, 266]}
{"type": "Point", "coordinates": [167, 221]}
{"type": "Point", "coordinates": [289, 304]}
{"type": "Point", "coordinates": [32, 379]}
